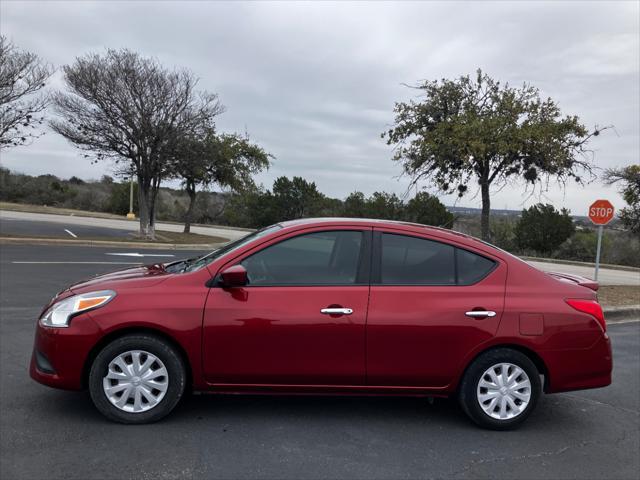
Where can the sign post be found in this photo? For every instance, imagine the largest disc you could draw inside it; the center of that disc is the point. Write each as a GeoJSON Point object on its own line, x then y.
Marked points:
{"type": "Point", "coordinates": [131, 214]}
{"type": "Point", "coordinates": [600, 213]}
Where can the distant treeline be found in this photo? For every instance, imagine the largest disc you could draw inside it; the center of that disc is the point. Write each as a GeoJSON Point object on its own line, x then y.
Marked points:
{"type": "Point", "coordinates": [538, 231]}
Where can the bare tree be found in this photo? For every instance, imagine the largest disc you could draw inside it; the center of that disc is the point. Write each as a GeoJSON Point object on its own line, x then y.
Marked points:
{"type": "Point", "coordinates": [131, 109]}
{"type": "Point", "coordinates": [22, 77]}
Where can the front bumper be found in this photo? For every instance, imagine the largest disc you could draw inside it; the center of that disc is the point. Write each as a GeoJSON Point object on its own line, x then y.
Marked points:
{"type": "Point", "coordinates": [59, 354]}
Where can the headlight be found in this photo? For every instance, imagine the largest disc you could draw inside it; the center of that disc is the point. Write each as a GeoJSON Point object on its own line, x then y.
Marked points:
{"type": "Point", "coordinates": [61, 312]}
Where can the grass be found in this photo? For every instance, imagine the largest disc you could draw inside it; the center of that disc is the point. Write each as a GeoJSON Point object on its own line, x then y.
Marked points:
{"type": "Point", "coordinates": [182, 238]}
{"type": "Point", "coordinates": [619, 295]}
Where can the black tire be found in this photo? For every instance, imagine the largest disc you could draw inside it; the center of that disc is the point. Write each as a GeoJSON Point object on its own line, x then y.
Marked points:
{"type": "Point", "coordinates": [148, 343]}
{"type": "Point", "coordinates": [467, 394]}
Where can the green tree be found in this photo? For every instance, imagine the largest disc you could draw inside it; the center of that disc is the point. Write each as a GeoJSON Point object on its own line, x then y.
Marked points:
{"type": "Point", "coordinates": [581, 246]}
{"type": "Point", "coordinates": [476, 131]}
{"type": "Point", "coordinates": [543, 229]}
{"type": "Point", "coordinates": [385, 206]}
{"type": "Point", "coordinates": [502, 233]}
{"type": "Point", "coordinates": [296, 198]}
{"type": "Point", "coordinates": [207, 159]}
{"type": "Point", "coordinates": [630, 178]}
{"type": "Point", "coordinates": [428, 210]}
{"type": "Point", "coordinates": [355, 205]}
{"type": "Point", "coordinates": [288, 200]}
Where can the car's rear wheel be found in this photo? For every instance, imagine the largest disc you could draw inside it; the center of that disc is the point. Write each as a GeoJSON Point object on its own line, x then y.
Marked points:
{"type": "Point", "coordinates": [137, 379]}
{"type": "Point", "coordinates": [500, 389]}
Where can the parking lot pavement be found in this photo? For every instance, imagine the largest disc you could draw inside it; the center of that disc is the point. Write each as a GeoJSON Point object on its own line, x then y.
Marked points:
{"type": "Point", "coordinates": [25, 228]}
{"type": "Point", "coordinates": [46, 433]}
{"type": "Point", "coordinates": [69, 221]}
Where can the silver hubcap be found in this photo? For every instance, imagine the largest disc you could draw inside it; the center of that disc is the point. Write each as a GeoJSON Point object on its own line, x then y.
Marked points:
{"type": "Point", "coordinates": [504, 391]}
{"type": "Point", "coordinates": [136, 381]}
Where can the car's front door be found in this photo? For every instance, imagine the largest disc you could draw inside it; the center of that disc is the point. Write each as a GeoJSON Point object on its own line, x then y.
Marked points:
{"type": "Point", "coordinates": [419, 329]}
{"type": "Point", "coordinates": [301, 318]}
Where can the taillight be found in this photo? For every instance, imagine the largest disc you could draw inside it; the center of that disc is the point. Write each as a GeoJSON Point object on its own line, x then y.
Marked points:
{"type": "Point", "coordinates": [591, 307]}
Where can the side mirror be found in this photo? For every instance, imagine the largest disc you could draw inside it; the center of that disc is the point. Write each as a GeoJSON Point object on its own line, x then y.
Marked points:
{"type": "Point", "coordinates": [235, 276]}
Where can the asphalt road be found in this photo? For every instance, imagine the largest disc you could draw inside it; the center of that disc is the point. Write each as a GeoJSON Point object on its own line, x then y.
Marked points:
{"type": "Point", "coordinates": [25, 228]}
{"type": "Point", "coordinates": [119, 224]}
{"type": "Point", "coordinates": [46, 433]}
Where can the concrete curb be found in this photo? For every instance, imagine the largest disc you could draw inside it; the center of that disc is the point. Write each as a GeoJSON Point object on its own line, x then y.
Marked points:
{"type": "Point", "coordinates": [581, 264]}
{"type": "Point", "coordinates": [619, 314]}
{"type": "Point", "coordinates": [107, 243]}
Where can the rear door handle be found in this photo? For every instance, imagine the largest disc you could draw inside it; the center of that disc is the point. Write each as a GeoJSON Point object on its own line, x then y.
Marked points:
{"type": "Point", "coordinates": [336, 311]}
{"type": "Point", "coordinates": [480, 313]}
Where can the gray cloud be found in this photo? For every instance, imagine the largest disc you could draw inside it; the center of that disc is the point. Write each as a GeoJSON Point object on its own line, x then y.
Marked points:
{"type": "Point", "coordinates": [315, 83]}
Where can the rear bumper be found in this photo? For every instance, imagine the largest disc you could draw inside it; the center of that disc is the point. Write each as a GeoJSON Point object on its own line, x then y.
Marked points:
{"type": "Point", "coordinates": [578, 369]}
{"type": "Point", "coordinates": [59, 354]}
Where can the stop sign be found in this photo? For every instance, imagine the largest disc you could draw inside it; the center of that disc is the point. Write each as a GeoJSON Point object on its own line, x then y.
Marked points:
{"type": "Point", "coordinates": [601, 212]}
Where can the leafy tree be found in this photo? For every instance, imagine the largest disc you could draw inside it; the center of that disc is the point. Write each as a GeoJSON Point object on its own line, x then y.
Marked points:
{"type": "Point", "coordinates": [502, 233]}
{"type": "Point", "coordinates": [428, 210]}
{"type": "Point", "coordinates": [22, 77]}
{"type": "Point", "coordinates": [543, 229]}
{"type": "Point", "coordinates": [129, 108]}
{"type": "Point", "coordinates": [468, 131]}
{"type": "Point", "coordinates": [288, 200]}
{"type": "Point", "coordinates": [385, 205]}
{"type": "Point", "coordinates": [251, 208]}
{"type": "Point", "coordinates": [207, 159]}
{"type": "Point", "coordinates": [295, 198]}
{"type": "Point", "coordinates": [581, 246]}
{"type": "Point", "coordinates": [355, 205]}
{"type": "Point", "coordinates": [630, 178]}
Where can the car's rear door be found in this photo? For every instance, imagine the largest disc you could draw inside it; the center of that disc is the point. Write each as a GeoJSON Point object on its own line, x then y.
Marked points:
{"type": "Point", "coordinates": [418, 328]}
{"type": "Point", "coordinates": [300, 320]}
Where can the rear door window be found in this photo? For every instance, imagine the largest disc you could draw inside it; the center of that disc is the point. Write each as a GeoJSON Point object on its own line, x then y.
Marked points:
{"type": "Point", "coordinates": [407, 260]}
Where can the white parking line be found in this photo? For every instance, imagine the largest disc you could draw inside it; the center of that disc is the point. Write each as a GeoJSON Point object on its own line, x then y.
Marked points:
{"type": "Point", "coordinates": [71, 233]}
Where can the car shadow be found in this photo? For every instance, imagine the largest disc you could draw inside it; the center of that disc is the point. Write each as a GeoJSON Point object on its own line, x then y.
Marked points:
{"type": "Point", "coordinates": [554, 412]}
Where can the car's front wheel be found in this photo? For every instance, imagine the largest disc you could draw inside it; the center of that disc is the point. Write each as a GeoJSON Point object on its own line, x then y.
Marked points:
{"type": "Point", "coordinates": [500, 389]}
{"type": "Point", "coordinates": [137, 379]}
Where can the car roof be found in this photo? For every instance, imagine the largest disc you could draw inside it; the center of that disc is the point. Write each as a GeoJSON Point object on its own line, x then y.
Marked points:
{"type": "Point", "coordinates": [438, 232]}
{"type": "Point", "coordinates": [375, 222]}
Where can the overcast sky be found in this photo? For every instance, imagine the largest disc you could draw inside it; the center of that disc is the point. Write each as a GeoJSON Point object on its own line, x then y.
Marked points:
{"type": "Point", "coordinates": [315, 83]}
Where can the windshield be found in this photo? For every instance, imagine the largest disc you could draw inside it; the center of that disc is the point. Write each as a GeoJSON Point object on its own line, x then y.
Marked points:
{"type": "Point", "coordinates": [194, 264]}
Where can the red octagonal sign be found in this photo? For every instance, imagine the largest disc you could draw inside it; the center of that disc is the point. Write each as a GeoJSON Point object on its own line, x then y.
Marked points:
{"type": "Point", "coordinates": [601, 212]}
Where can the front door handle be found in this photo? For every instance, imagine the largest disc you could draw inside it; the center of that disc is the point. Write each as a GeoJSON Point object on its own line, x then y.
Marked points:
{"type": "Point", "coordinates": [480, 313]}
{"type": "Point", "coordinates": [336, 311]}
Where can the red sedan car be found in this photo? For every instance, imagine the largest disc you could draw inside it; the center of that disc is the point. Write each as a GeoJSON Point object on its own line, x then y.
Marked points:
{"type": "Point", "coordinates": [329, 306]}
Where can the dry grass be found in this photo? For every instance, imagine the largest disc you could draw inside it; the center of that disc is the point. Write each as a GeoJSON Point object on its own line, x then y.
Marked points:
{"type": "Point", "coordinates": [185, 238]}
{"type": "Point", "coordinates": [619, 295]}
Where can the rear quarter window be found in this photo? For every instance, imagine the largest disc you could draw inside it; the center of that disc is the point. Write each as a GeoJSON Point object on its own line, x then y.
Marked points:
{"type": "Point", "coordinates": [472, 267]}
